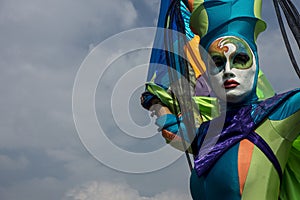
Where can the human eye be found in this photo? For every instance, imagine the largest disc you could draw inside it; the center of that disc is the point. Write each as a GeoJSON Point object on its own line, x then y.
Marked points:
{"type": "Point", "coordinates": [241, 58]}
{"type": "Point", "coordinates": [218, 63]}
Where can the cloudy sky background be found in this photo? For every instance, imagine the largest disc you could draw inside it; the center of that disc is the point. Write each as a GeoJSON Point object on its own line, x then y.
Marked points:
{"type": "Point", "coordinates": [43, 45]}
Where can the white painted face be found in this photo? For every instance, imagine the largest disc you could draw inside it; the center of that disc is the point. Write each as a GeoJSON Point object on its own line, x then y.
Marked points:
{"type": "Point", "coordinates": [232, 68]}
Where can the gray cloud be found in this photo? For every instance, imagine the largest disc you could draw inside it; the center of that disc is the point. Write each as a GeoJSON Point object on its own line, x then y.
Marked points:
{"type": "Point", "coordinates": [43, 44]}
{"type": "Point", "coordinates": [9, 163]}
{"type": "Point", "coordinates": [272, 52]}
{"type": "Point", "coordinates": [275, 63]}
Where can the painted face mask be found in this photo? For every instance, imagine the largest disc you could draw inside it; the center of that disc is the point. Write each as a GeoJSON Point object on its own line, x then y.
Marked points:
{"type": "Point", "coordinates": [232, 68]}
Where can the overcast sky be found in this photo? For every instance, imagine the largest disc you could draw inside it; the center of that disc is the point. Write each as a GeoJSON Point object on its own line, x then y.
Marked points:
{"type": "Point", "coordinates": [44, 44]}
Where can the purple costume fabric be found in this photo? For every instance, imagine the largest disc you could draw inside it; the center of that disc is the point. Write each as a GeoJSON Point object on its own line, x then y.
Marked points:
{"type": "Point", "coordinates": [239, 124]}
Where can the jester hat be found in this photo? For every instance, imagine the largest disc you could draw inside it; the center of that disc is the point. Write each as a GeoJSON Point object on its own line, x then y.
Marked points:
{"type": "Point", "coordinates": [211, 19]}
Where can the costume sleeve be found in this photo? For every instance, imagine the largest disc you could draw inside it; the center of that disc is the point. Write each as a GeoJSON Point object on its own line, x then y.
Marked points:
{"type": "Point", "coordinates": [286, 119]}
{"type": "Point", "coordinates": [174, 131]}
{"type": "Point", "coordinates": [287, 123]}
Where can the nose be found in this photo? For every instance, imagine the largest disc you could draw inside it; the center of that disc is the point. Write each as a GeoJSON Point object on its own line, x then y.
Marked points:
{"type": "Point", "coordinates": [227, 71]}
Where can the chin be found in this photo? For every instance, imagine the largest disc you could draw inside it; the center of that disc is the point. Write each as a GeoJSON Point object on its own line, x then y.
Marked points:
{"type": "Point", "coordinates": [236, 97]}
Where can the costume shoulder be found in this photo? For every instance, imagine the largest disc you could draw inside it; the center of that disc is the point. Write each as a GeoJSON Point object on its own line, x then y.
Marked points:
{"type": "Point", "coordinates": [286, 118]}
{"type": "Point", "coordinates": [288, 107]}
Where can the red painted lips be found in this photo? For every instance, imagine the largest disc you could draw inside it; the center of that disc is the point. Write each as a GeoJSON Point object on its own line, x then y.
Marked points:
{"type": "Point", "coordinates": [228, 84]}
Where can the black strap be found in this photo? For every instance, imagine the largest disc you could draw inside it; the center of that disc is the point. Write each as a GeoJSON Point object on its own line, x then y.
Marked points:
{"type": "Point", "coordinates": [174, 15]}
{"type": "Point", "coordinates": [293, 18]}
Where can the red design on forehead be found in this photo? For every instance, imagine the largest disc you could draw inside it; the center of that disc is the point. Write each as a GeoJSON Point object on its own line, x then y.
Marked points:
{"type": "Point", "coordinates": [216, 46]}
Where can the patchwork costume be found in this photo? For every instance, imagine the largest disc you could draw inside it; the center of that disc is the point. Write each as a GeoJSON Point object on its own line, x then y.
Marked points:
{"type": "Point", "coordinates": [256, 154]}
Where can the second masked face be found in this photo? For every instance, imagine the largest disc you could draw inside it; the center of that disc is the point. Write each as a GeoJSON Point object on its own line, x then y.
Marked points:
{"type": "Point", "coordinates": [231, 69]}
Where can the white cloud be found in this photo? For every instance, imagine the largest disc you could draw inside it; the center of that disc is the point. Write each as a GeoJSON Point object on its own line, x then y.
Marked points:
{"type": "Point", "coordinates": [117, 191]}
